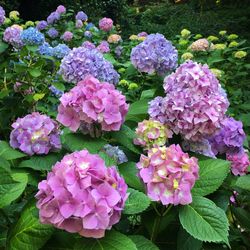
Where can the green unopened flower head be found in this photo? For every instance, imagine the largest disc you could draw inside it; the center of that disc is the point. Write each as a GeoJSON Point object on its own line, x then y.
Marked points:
{"type": "Point", "coordinates": [212, 38]}
{"type": "Point", "coordinates": [185, 33]}
{"type": "Point", "coordinates": [7, 21]}
{"type": "Point", "coordinates": [240, 54]}
{"type": "Point", "coordinates": [223, 32]}
{"type": "Point", "coordinates": [218, 73]}
{"type": "Point", "coordinates": [133, 85]}
{"type": "Point", "coordinates": [219, 46]}
{"type": "Point", "coordinates": [124, 83]}
{"type": "Point", "coordinates": [233, 44]}
{"type": "Point", "coordinates": [14, 15]}
{"type": "Point", "coordinates": [197, 36]}
{"type": "Point", "coordinates": [187, 56]}
{"type": "Point", "coordinates": [121, 70]}
{"type": "Point", "coordinates": [29, 24]}
{"type": "Point", "coordinates": [232, 37]}
{"type": "Point", "coordinates": [183, 42]}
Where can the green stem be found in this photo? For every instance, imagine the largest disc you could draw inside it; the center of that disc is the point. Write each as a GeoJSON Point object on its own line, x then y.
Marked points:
{"type": "Point", "coordinates": [156, 210]}
{"type": "Point", "coordinates": [167, 210]}
{"type": "Point", "coordinates": [155, 229]}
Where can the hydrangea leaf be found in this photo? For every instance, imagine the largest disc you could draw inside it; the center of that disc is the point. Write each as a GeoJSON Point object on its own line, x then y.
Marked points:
{"type": "Point", "coordinates": [9, 153]}
{"type": "Point", "coordinates": [143, 243]}
{"type": "Point", "coordinates": [186, 242]}
{"type": "Point", "coordinates": [204, 220]}
{"type": "Point", "coordinates": [243, 182]}
{"type": "Point", "coordinates": [136, 203]}
{"type": "Point", "coordinates": [212, 173]}
{"type": "Point", "coordinates": [113, 240]}
{"type": "Point", "coordinates": [28, 233]}
{"type": "Point", "coordinates": [137, 111]}
{"type": "Point", "coordinates": [109, 161]}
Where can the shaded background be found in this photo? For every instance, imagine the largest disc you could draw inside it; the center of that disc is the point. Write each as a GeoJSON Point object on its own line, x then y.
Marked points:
{"type": "Point", "coordinates": [167, 17]}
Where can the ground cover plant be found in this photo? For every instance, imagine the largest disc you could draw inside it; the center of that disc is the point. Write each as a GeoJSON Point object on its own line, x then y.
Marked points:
{"type": "Point", "coordinates": [111, 142]}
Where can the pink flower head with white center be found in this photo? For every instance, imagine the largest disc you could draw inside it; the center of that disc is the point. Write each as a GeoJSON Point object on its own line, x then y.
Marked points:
{"type": "Point", "coordinates": [152, 133]}
{"type": "Point", "coordinates": [169, 174]}
{"type": "Point", "coordinates": [61, 9]}
{"type": "Point", "coordinates": [93, 102]}
{"type": "Point", "coordinates": [200, 45]}
{"type": "Point", "coordinates": [106, 24]}
{"type": "Point", "coordinates": [81, 195]}
{"type": "Point", "coordinates": [195, 104]}
{"type": "Point", "coordinates": [67, 36]}
{"type": "Point", "coordinates": [239, 162]}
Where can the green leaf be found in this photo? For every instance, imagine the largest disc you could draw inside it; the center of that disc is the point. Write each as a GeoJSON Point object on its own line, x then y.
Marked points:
{"type": "Point", "coordinates": [129, 172]}
{"type": "Point", "coordinates": [4, 164]}
{"type": "Point", "coordinates": [9, 153]}
{"type": "Point", "coordinates": [59, 85]}
{"type": "Point", "coordinates": [31, 48]}
{"type": "Point", "coordinates": [143, 243]}
{"type": "Point", "coordinates": [136, 203]}
{"type": "Point", "coordinates": [11, 186]}
{"type": "Point", "coordinates": [186, 242]}
{"type": "Point", "coordinates": [110, 58]}
{"type": "Point", "coordinates": [4, 93]}
{"type": "Point", "coordinates": [3, 46]}
{"type": "Point", "coordinates": [38, 96]}
{"type": "Point", "coordinates": [243, 182]}
{"type": "Point", "coordinates": [148, 94]}
{"type": "Point", "coordinates": [28, 233]}
{"type": "Point", "coordinates": [204, 220]}
{"type": "Point", "coordinates": [112, 241]}
{"type": "Point", "coordinates": [41, 162]}
{"type": "Point", "coordinates": [125, 137]}
{"type": "Point", "coordinates": [212, 173]}
{"type": "Point", "coordinates": [35, 72]}
{"type": "Point", "coordinates": [109, 161]}
{"type": "Point", "coordinates": [138, 111]}
{"type": "Point", "coordinates": [242, 216]}
{"type": "Point", "coordinates": [76, 142]}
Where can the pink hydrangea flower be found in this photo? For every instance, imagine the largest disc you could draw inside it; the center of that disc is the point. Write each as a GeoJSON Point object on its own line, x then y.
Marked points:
{"type": "Point", "coordinates": [12, 35]}
{"type": "Point", "coordinates": [67, 36]}
{"type": "Point", "coordinates": [103, 47]}
{"type": "Point", "coordinates": [81, 195]}
{"type": "Point", "coordinates": [106, 24]}
{"type": "Point", "coordinates": [152, 133]}
{"type": "Point", "coordinates": [60, 9]}
{"type": "Point", "coordinates": [88, 45]}
{"type": "Point", "coordinates": [239, 162]}
{"type": "Point", "coordinates": [200, 45]}
{"type": "Point", "coordinates": [91, 102]}
{"type": "Point", "coordinates": [169, 174]}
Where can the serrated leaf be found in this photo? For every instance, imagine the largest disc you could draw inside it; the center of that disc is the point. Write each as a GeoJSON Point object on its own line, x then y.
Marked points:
{"type": "Point", "coordinates": [243, 182]}
{"type": "Point", "coordinates": [143, 243]}
{"type": "Point", "coordinates": [186, 242]}
{"type": "Point", "coordinates": [204, 220]}
{"type": "Point", "coordinates": [129, 173]}
{"type": "Point", "coordinates": [136, 203]}
{"type": "Point", "coordinates": [38, 96]}
{"type": "Point", "coordinates": [148, 94]}
{"type": "Point", "coordinates": [113, 240]}
{"type": "Point", "coordinates": [11, 186]}
{"type": "Point", "coordinates": [41, 162]}
{"type": "Point", "coordinates": [212, 173]}
{"type": "Point", "coordinates": [29, 233]}
{"type": "Point", "coordinates": [76, 142]}
{"type": "Point", "coordinates": [4, 164]}
{"type": "Point", "coordinates": [138, 111]}
{"type": "Point", "coordinates": [108, 160]}
{"type": "Point", "coordinates": [9, 153]}
{"type": "Point", "coordinates": [59, 85]}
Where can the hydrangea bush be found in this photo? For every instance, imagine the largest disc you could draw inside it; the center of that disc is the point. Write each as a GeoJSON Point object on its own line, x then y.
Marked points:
{"type": "Point", "coordinates": [112, 142]}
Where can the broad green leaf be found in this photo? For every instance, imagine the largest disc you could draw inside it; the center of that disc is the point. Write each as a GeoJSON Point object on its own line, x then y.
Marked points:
{"type": "Point", "coordinates": [186, 242]}
{"type": "Point", "coordinates": [242, 216]}
{"type": "Point", "coordinates": [136, 203]}
{"type": "Point", "coordinates": [3, 46]}
{"type": "Point", "coordinates": [204, 220]}
{"type": "Point", "coordinates": [76, 142]}
{"type": "Point", "coordinates": [31, 48]}
{"type": "Point", "coordinates": [129, 173]}
{"type": "Point", "coordinates": [109, 161]}
{"type": "Point", "coordinates": [35, 72]}
{"type": "Point", "coordinates": [138, 111]}
{"type": "Point", "coordinates": [59, 85]}
{"type": "Point", "coordinates": [4, 93]}
{"type": "Point", "coordinates": [29, 233]}
{"type": "Point", "coordinates": [148, 94]}
{"type": "Point", "coordinates": [112, 241]}
{"type": "Point", "coordinates": [11, 186]}
{"type": "Point", "coordinates": [212, 173]}
{"type": "Point", "coordinates": [41, 162]}
{"type": "Point", "coordinates": [143, 243]}
{"type": "Point", "coordinates": [4, 164]}
{"type": "Point", "coordinates": [110, 58]}
{"type": "Point", "coordinates": [125, 137]}
{"type": "Point", "coordinates": [38, 96]}
{"type": "Point", "coordinates": [9, 153]}
{"type": "Point", "coordinates": [243, 182]}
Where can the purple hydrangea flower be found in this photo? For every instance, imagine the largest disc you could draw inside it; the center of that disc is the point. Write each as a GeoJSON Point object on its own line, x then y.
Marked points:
{"type": "Point", "coordinates": [103, 47]}
{"type": "Point", "coordinates": [81, 16]}
{"type": "Point", "coordinates": [45, 49]}
{"type": "Point", "coordinates": [42, 25]}
{"type": "Point", "coordinates": [88, 34]}
{"type": "Point", "coordinates": [67, 36]}
{"type": "Point", "coordinates": [12, 35]}
{"type": "Point", "coordinates": [2, 15]}
{"type": "Point", "coordinates": [79, 24]}
{"type": "Point", "coordinates": [53, 17]}
{"type": "Point", "coordinates": [116, 153]}
{"type": "Point", "coordinates": [61, 9]}
{"type": "Point", "coordinates": [52, 33]}
{"type": "Point", "coordinates": [60, 51]}
{"type": "Point", "coordinates": [106, 24]}
{"type": "Point", "coordinates": [230, 138]}
{"type": "Point", "coordinates": [88, 45]}
{"type": "Point", "coordinates": [142, 34]}
{"type": "Point", "coordinates": [118, 50]}
{"type": "Point", "coordinates": [32, 36]}
{"type": "Point", "coordinates": [35, 134]}
{"type": "Point", "coordinates": [81, 62]}
{"type": "Point", "coordinates": [154, 55]}
{"type": "Point", "coordinates": [239, 162]}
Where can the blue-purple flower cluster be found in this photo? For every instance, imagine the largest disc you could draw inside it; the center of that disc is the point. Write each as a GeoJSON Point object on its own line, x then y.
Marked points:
{"type": "Point", "coordinates": [32, 36]}
{"type": "Point", "coordinates": [2, 15]}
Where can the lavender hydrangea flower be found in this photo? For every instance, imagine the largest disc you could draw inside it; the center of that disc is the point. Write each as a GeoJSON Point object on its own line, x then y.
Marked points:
{"type": "Point", "coordinates": [88, 34]}
{"type": "Point", "coordinates": [35, 134]}
{"type": "Point", "coordinates": [79, 24]}
{"type": "Point", "coordinates": [116, 153]}
{"type": "Point", "coordinates": [52, 33]}
{"type": "Point", "coordinates": [81, 62]}
{"type": "Point", "coordinates": [32, 36]}
{"type": "Point", "coordinates": [61, 9]}
{"type": "Point", "coordinates": [154, 55]}
{"type": "Point", "coordinates": [118, 51]}
{"type": "Point", "coordinates": [42, 25]}
{"type": "Point", "coordinates": [88, 45]}
{"type": "Point", "coordinates": [67, 36]}
{"type": "Point", "coordinates": [81, 16]}
{"type": "Point", "coordinates": [60, 51]}
{"type": "Point", "coordinates": [2, 15]}
{"type": "Point", "coordinates": [53, 17]}
{"type": "Point", "coordinates": [45, 49]}
{"type": "Point", "coordinates": [230, 138]}
{"type": "Point", "coordinates": [12, 35]}
{"type": "Point", "coordinates": [103, 47]}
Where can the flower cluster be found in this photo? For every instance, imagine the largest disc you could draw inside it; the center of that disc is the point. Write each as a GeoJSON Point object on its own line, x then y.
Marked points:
{"type": "Point", "coordinates": [200, 45]}
{"type": "Point", "coordinates": [81, 62]}
{"type": "Point", "coordinates": [53, 17]}
{"type": "Point", "coordinates": [42, 25]}
{"type": "Point", "coordinates": [46, 49]}
{"type": "Point", "coordinates": [81, 195]}
{"type": "Point", "coordinates": [114, 38]}
{"type": "Point", "coordinates": [239, 162]}
{"type": "Point", "coordinates": [67, 36]}
{"type": "Point", "coordinates": [79, 24]}
{"type": "Point", "coordinates": [52, 33]}
{"type": "Point", "coordinates": [61, 9]}
{"type": "Point", "coordinates": [12, 35]}
{"type": "Point", "coordinates": [103, 47]}
{"type": "Point", "coordinates": [151, 133]}
{"type": "Point", "coordinates": [81, 16]}
{"type": "Point", "coordinates": [115, 153]}
{"type": "Point", "coordinates": [35, 134]}
{"type": "Point", "coordinates": [169, 174]}
{"type": "Point", "coordinates": [60, 51]}
{"type": "Point", "coordinates": [154, 55]}
{"type": "Point", "coordinates": [2, 15]}
{"type": "Point", "coordinates": [93, 102]}
{"type": "Point", "coordinates": [230, 138]}
{"type": "Point", "coordinates": [56, 92]}
{"type": "Point", "coordinates": [106, 24]}
{"type": "Point", "coordinates": [88, 45]}
{"type": "Point", "coordinates": [195, 103]}
{"type": "Point", "coordinates": [32, 36]}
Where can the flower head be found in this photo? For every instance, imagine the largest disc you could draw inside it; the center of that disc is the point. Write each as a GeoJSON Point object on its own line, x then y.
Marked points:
{"type": "Point", "coordinates": [218, 73]}
{"type": "Point", "coordinates": [67, 36]}
{"type": "Point", "coordinates": [52, 33]}
{"type": "Point", "coordinates": [154, 55]}
{"type": "Point", "coordinates": [60, 51]}
{"type": "Point", "coordinates": [88, 34]}
{"type": "Point", "coordinates": [223, 32]}
{"type": "Point", "coordinates": [103, 47]}
{"type": "Point", "coordinates": [91, 101]}
{"type": "Point", "coordinates": [200, 45]}
{"type": "Point", "coordinates": [53, 17]}
{"type": "Point", "coordinates": [42, 25]}
{"type": "Point", "coordinates": [2, 15]}
{"type": "Point", "coordinates": [233, 44]}
{"type": "Point", "coordinates": [81, 195]}
{"type": "Point", "coordinates": [106, 24]}
{"type": "Point", "coordinates": [169, 174]}
{"type": "Point", "coordinates": [14, 15]}
{"type": "Point", "coordinates": [35, 134]}
{"type": "Point", "coordinates": [114, 152]}
{"type": "Point", "coordinates": [212, 38]}
{"type": "Point", "coordinates": [240, 54]}
{"type": "Point", "coordinates": [61, 9]}
{"type": "Point", "coordinates": [81, 16]}
{"type": "Point", "coordinates": [88, 45]}
{"type": "Point", "coordinates": [187, 56]}
{"type": "Point", "coordinates": [79, 24]}
{"type": "Point", "coordinates": [239, 162]}
{"type": "Point", "coordinates": [114, 38]}
{"type": "Point", "coordinates": [232, 37]}
{"type": "Point", "coordinates": [32, 36]}
{"type": "Point", "coordinates": [12, 35]}
{"type": "Point", "coordinates": [46, 49]}
{"type": "Point", "coordinates": [218, 46]}
{"type": "Point", "coordinates": [185, 33]}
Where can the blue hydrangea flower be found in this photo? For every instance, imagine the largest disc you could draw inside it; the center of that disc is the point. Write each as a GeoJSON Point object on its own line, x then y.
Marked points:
{"type": "Point", "coordinates": [61, 50]}
{"type": "Point", "coordinates": [89, 26]}
{"type": "Point", "coordinates": [81, 16]}
{"type": "Point", "coordinates": [116, 153]}
{"type": "Point", "coordinates": [46, 49]}
{"type": "Point", "coordinates": [52, 33]}
{"type": "Point", "coordinates": [32, 36]}
{"type": "Point", "coordinates": [42, 25]}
